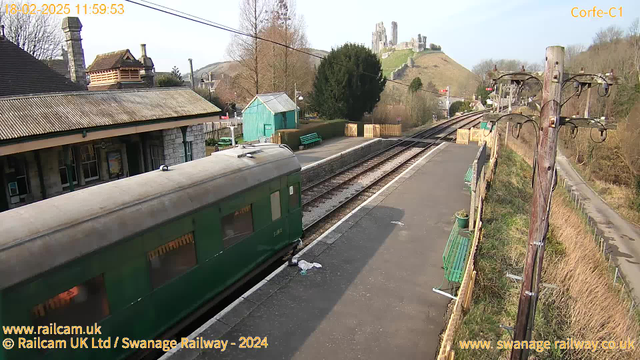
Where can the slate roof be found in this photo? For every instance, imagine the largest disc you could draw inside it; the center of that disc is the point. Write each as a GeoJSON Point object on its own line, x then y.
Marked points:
{"type": "Point", "coordinates": [114, 60]}
{"type": "Point", "coordinates": [21, 73]}
{"type": "Point", "coordinates": [24, 116]}
{"type": "Point", "coordinates": [276, 102]}
{"type": "Point", "coordinates": [61, 66]}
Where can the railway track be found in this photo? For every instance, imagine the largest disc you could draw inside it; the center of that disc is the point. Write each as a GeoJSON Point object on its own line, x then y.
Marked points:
{"type": "Point", "coordinates": [332, 198]}
{"type": "Point", "coordinates": [326, 201]}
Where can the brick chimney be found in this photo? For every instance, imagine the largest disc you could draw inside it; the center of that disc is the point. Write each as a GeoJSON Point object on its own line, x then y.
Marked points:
{"type": "Point", "coordinates": [148, 72]}
{"type": "Point", "coordinates": [71, 27]}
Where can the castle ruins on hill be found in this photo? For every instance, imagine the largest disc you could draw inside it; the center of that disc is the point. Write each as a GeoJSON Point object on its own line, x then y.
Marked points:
{"type": "Point", "coordinates": [379, 40]}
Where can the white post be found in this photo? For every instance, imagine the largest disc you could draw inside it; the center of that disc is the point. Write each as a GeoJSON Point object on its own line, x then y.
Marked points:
{"type": "Point", "coordinates": [474, 184]}
{"type": "Point", "coordinates": [295, 101]}
{"type": "Point", "coordinates": [448, 103]}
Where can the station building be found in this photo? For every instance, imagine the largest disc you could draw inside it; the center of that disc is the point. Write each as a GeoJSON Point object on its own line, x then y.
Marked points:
{"type": "Point", "coordinates": [56, 136]}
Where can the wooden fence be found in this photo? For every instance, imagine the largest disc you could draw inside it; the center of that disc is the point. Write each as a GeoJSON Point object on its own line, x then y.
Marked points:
{"type": "Point", "coordinates": [378, 130]}
{"type": "Point", "coordinates": [351, 130]}
{"type": "Point", "coordinates": [462, 302]}
{"type": "Point", "coordinates": [372, 131]}
{"type": "Point", "coordinates": [216, 131]}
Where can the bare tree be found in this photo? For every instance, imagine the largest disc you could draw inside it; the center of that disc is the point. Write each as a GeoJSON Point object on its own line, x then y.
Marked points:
{"type": "Point", "coordinates": [39, 35]}
{"type": "Point", "coordinates": [610, 34]}
{"type": "Point", "coordinates": [487, 65]}
{"type": "Point", "coordinates": [570, 54]}
{"type": "Point", "coordinates": [246, 50]}
{"type": "Point", "coordinates": [288, 67]}
{"type": "Point", "coordinates": [483, 67]}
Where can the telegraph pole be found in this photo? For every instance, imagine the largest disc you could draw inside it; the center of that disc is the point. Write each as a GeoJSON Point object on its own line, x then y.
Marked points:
{"type": "Point", "coordinates": [543, 186]}
{"type": "Point", "coordinates": [191, 73]}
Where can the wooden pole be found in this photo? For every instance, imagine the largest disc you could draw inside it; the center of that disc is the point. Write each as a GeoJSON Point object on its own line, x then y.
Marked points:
{"type": "Point", "coordinates": [543, 183]}
{"type": "Point", "coordinates": [506, 135]}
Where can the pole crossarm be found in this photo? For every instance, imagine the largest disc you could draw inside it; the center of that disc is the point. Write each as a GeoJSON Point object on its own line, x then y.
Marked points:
{"type": "Point", "coordinates": [508, 76]}
{"type": "Point", "coordinates": [515, 117]}
{"type": "Point", "coordinates": [597, 123]}
{"type": "Point", "coordinates": [583, 78]}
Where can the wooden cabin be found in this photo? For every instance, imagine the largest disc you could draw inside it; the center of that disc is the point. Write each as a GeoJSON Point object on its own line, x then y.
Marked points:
{"type": "Point", "coordinates": [115, 70]}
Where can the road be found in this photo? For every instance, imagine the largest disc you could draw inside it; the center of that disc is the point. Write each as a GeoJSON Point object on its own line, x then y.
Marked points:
{"type": "Point", "coordinates": [622, 236]}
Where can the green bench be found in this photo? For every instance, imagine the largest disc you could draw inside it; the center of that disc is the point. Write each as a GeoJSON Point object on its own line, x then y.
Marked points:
{"type": "Point", "coordinates": [310, 139]}
{"type": "Point", "coordinates": [454, 257]}
{"type": "Point", "coordinates": [225, 141]}
{"type": "Point", "coordinates": [467, 177]}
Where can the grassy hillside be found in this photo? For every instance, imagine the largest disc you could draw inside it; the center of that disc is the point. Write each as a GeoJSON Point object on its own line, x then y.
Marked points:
{"type": "Point", "coordinates": [394, 61]}
{"type": "Point", "coordinates": [436, 67]}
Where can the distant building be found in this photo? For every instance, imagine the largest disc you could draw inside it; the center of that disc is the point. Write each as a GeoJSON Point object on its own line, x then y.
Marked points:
{"type": "Point", "coordinates": [266, 114]}
{"type": "Point", "coordinates": [120, 70]}
{"type": "Point", "coordinates": [57, 137]}
{"type": "Point", "coordinates": [379, 40]}
{"type": "Point", "coordinates": [394, 34]}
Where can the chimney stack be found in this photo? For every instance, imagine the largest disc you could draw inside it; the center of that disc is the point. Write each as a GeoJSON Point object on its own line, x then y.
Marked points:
{"type": "Point", "coordinates": [147, 73]}
{"type": "Point", "coordinates": [71, 27]}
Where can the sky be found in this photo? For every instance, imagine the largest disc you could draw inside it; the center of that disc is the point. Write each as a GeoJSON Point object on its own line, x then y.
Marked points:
{"type": "Point", "coordinates": [468, 30]}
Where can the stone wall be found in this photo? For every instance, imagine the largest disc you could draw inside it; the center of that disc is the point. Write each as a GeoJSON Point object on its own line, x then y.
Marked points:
{"type": "Point", "coordinates": [174, 148]}
{"type": "Point", "coordinates": [328, 167]}
{"type": "Point", "coordinates": [397, 73]}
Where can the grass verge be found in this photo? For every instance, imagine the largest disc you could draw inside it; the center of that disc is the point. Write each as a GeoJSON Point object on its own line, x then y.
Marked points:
{"type": "Point", "coordinates": [586, 306]}
{"type": "Point", "coordinates": [619, 197]}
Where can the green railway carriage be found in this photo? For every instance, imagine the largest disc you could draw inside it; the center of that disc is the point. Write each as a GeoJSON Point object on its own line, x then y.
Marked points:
{"type": "Point", "coordinates": [139, 255]}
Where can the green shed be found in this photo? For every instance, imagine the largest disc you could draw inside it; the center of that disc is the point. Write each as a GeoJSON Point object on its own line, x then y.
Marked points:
{"type": "Point", "coordinates": [266, 114]}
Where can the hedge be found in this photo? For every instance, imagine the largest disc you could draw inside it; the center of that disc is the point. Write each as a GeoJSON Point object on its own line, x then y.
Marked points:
{"type": "Point", "coordinates": [328, 130]}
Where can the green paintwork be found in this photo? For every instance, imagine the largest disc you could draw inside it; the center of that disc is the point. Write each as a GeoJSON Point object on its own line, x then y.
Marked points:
{"type": "Point", "coordinates": [136, 310]}
{"type": "Point", "coordinates": [310, 139]}
{"type": "Point", "coordinates": [455, 254]}
{"type": "Point", "coordinates": [259, 121]}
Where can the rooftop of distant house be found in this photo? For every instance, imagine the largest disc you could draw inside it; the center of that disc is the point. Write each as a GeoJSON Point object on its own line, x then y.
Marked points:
{"type": "Point", "coordinates": [114, 60]}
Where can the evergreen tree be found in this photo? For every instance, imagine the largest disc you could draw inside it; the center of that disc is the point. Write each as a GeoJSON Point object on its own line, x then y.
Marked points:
{"type": "Point", "coordinates": [175, 72]}
{"type": "Point", "coordinates": [348, 83]}
{"type": "Point", "coordinates": [416, 84]}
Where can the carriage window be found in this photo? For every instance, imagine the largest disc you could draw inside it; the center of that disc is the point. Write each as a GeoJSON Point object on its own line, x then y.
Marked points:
{"type": "Point", "coordinates": [275, 206]}
{"type": "Point", "coordinates": [83, 304]}
{"type": "Point", "coordinates": [172, 259]}
{"type": "Point", "coordinates": [236, 226]}
{"type": "Point", "coordinates": [294, 199]}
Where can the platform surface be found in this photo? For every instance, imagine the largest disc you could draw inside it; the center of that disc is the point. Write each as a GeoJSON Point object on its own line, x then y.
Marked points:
{"type": "Point", "coordinates": [372, 298]}
{"type": "Point", "coordinates": [328, 148]}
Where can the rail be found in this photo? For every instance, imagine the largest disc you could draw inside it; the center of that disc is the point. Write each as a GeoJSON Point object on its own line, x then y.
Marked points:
{"type": "Point", "coordinates": [471, 119]}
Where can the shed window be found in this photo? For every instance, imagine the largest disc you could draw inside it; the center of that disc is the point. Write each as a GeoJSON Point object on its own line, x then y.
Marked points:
{"type": "Point", "coordinates": [172, 259]}
{"type": "Point", "coordinates": [294, 196]}
{"type": "Point", "coordinates": [83, 304]}
{"type": "Point", "coordinates": [275, 206]}
{"type": "Point", "coordinates": [236, 226]}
